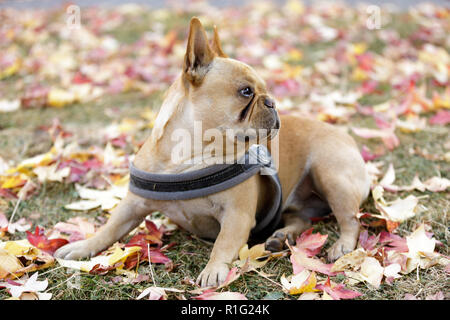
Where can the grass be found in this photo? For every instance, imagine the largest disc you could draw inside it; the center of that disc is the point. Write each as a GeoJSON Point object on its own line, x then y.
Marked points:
{"type": "Point", "coordinates": [190, 254]}
{"type": "Point", "coordinates": [20, 139]}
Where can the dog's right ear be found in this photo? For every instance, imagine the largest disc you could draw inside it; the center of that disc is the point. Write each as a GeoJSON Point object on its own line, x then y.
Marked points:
{"type": "Point", "coordinates": [217, 47]}
{"type": "Point", "coordinates": [198, 53]}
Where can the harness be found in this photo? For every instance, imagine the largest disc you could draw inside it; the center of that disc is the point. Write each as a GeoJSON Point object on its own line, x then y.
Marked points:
{"type": "Point", "coordinates": [213, 179]}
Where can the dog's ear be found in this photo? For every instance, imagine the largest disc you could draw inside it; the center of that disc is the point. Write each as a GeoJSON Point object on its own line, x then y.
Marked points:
{"type": "Point", "coordinates": [198, 53]}
{"type": "Point", "coordinates": [216, 44]}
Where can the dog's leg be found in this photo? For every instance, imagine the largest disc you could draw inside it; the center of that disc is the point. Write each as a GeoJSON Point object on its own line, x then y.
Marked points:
{"type": "Point", "coordinates": [344, 200]}
{"type": "Point", "coordinates": [125, 217]}
{"type": "Point", "coordinates": [234, 231]}
{"type": "Point", "coordinates": [296, 219]}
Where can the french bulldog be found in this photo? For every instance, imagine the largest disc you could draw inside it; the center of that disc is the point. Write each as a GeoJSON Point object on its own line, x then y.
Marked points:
{"type": "Point", "coordinates": [319, 166]}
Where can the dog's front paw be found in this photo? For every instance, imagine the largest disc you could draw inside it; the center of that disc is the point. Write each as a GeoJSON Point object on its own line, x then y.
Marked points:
{"type": "Point", "coordinates": [213, 275]}
{"type": "Point", "coordinates": [339, 248]}
{"type": "Point", "coordinates": [75, 250]}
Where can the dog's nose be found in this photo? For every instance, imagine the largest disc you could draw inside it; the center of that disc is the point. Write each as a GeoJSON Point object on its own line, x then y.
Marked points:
{"type": "Point", "coordinates": [269, 103]}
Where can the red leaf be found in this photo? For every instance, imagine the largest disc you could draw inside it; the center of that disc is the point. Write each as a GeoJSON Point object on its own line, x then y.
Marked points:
{"type": "Point", "coordinates": [368, 242]}
{"type": "Point", "coordinates": [442, 118]}
{"type": "Point", "coordinates": [156, 256]}
{"type": "Point", "coordinates": [391, 225]}
{"type": "Point", "coordinates": [393, 242]}
{"type": "Point", "coordinates": [142, 239]}
{"type": "Point", "coordinates": [39, 240]}
{"type": "Point", "coordinates": [7, 194]}
{"type": "Point", "coordinates": [337, 291]}
{"type": "Point", "coordinates": [151, 227]}
{"type": "Point", "coordinates": [301, 261]}
{"type": "Point", "coordinates": [102, 270]}
{"type": "Point", "coordinates": [310, 243]}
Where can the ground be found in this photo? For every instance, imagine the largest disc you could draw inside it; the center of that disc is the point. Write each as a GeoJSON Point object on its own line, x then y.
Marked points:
{"type": "Point", "coordinates": [22, 137]}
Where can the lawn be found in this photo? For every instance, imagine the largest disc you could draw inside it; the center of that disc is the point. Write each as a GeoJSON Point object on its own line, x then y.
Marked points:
{"type": "Point", "coordinates": [101, 86]}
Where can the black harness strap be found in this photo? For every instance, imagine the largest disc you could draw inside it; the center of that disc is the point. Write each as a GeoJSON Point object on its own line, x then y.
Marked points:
{"type": "Point", "coordinates": [213, 179]}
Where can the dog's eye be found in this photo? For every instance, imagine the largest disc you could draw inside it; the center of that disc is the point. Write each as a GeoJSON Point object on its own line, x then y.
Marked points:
{"type": "Point", "coordinates": [246, 92]}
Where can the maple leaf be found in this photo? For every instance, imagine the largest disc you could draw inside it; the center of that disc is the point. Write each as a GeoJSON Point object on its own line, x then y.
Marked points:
{"type": "Point", "coordinates": [386, 135]}
{"type": "Point", "coordinates": [226, 295]}
{"type": "Point", "coordinates": [106, 199]}
{"type": "Point", "coordinates": [9, 264]}
{"type": "Point", "coordinates": [368, 242]}
{"type": "Point", "coordinates": [350, 261]}
{"type": "Point", "coordinates": [395, 211]}
{"type": "Point", "coordinates": [337, 291]}
{"type": "Point", "coordinates": [420, 249]}
{"type": "Point", "coordinates": [442, 118]}
{"type": "Point", "coordinates": [51, 173]}
{"type": "Point", "coordinates": [157, 293]}
{"type": "Point", "coordinates": [371, 271]}
{"type": "Point", "coordinates": [251, 257]}
{"type": "Point", "coordinates": [39, 240]}
{"type": "Point", "coordinates": [300, 261]}
{"type": "Point", "coordinates": [113, 258]}
{"type": "Point", "coordinates": [302, 282]}
{"type": "Point", "coordinates": [19, 257]}
{"type": "Point", "coordinates": [28, 288]}
{"type": "Point", "coordinates": [9, 105]}
{"type": "Point", "coordinates": [232, 276]}
{"type": "Point", "coordinates": [78, 228]}
{"type": "Point", "coordinates": [310, 243]}
{"type": "Point", "coordinates": [393, 242]}
{"type": "Point", "coordinates": [144, 241]}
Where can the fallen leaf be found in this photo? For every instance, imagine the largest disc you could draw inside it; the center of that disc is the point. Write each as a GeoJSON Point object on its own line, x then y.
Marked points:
{"type": "Point", "coordinates": [371, 271]}
{"type": "Point", "coordinates": [20, 288]}
{"type": "Point", "coordinates": [9, 105]}
{"type": "Point", "coordinates": [302, 282]}
{"type": "Point", "coordinates": [39, 240]}
{"type": "Point", "coordinates": [420, 249]}
{"type": "Point", "coordinates": [251, 256]}
{"type": "Point", "coordinates": [337, 291]}
{"type": "Point", "coordinates": [226, 295]}
{"type": "Point", "coordinates": [301, 261]}
{"type": "Point", "coordinates": [310, 243]}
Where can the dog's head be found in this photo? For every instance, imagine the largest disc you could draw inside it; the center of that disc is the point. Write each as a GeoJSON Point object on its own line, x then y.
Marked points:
{"type": "Point", "coordinates": [225, 93]}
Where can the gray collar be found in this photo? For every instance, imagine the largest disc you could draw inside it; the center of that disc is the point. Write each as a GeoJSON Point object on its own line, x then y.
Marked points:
{"type": "Point", "coordinates": [210, 180]}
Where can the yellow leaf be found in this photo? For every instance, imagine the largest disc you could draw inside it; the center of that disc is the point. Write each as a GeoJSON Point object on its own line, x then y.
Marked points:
{"type": "Point", "coordinates": [14, 182]}
{"type": "Point", "coordinates": [10, 70]}
{"type": "Point", "coordinates": [121, 256]}
{"type": "Point", "coordinates": [304, 281]}
{"type": "Point", "coordinates": [359, 48]}
{"type": "Point", "coordinates": [251, 256]}
{"type": "Point", "coordinates": [350, 261]}
{"type": "Point", "coordinates": [359, 74]}
{"type": "Point", "coordinates": [59, 98]}
{"type": "Point", "coordinates": [20, 248]}
{"type": "Point", "coordinates": [33, 259]}
{"type": "Point", "coordinates": [294, 7]}
{"type": "Point", "coordinates": [8, 264]}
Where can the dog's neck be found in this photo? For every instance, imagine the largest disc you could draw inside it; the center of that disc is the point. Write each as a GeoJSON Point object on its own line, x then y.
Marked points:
{"type": "Point", "coordinates": [176, 113]}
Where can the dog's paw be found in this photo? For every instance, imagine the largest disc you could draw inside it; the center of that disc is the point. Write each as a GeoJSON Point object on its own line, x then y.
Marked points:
{"type": "Point", "coordinates": [277, 241]}
{"type": "Point", "coordinates": [75, 250]}
{"type": "Point", "coordinates": [213, 275]}
{"type": "Point", "coordinates": [339, 248]}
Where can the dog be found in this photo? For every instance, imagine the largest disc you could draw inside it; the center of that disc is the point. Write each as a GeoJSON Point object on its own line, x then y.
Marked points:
{"type": "Point", "coordinates": [319, 167]}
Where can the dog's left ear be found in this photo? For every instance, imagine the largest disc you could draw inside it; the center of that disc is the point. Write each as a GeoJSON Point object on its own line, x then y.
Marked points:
{"type": "Point", "coordinates": [216, 44]}
{"type": "Point", "coordinates": [198, 53]}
